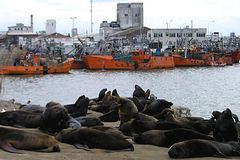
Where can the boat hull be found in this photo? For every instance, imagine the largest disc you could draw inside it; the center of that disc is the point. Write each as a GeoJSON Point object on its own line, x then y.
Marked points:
{"type": "Point", "coordinates": [77, 64]}
{"type": "Point", "coordinates": [96, 62]}
{"type": "Point", "coordinates": [156, 62]}
{"type": "Point", "coordinates": [32, 70]}
{"type": "Point", "coordinates": [180, 61]}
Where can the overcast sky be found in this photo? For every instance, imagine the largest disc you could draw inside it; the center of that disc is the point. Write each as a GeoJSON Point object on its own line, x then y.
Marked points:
{"type": "Point", "coordinates": [217, 15]}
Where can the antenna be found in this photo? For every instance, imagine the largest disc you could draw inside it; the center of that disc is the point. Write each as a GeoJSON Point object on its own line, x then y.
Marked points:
{"type": "Point", "coordinates": [91, 1]}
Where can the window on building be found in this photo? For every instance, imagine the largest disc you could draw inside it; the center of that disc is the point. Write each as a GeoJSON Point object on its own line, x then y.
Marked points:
{"type": "Point", "coordinates": [149, 35]}
{"type": "Point", "coordinates": [172, 35]}
{"type": "Point", "coordinates": [137, 15]}
{"type": "Point", "coordinates": [158, 35]}
{"type": "Point", "coordinates": [201, 35]}
{"type": "Point", "coordinates": [187, 34]}
{"type": "Point", "coordinates": [125, 15]}
{"type": "Point", "coordinates": [179, 34]}
{"type": "Point", "coordinates": [167, 34]}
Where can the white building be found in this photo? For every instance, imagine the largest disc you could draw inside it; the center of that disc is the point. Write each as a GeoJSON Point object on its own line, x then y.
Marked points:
{"type": "Point", "coordinates": [130, 15]}
{"type": "Point", "coordinates": [21, 28]}
{"type": "Point", "coordinates": [20, 34]}
{"type": "Point", "coordinates": [51, 26]}
{"type": "Point", "coordinates": [107, 29]}
{"type": "Point", "coordinates": [176, 37]}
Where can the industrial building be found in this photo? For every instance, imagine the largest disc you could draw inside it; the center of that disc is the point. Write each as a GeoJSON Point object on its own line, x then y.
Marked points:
{"type": "Point", "coordinates": [176, 36]}
{"type": "Point", "coordinates": [129, 15]}
{"type": "Point", "coordinates": [20, 34]}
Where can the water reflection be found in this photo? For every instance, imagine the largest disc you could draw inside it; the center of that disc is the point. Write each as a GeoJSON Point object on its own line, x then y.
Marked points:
{"type": "Point", "coordinates": [201, 89]}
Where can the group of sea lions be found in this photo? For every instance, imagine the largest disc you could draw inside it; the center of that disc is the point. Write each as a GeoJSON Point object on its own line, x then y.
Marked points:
{"type": "Point", "coordinates": [143, 119]}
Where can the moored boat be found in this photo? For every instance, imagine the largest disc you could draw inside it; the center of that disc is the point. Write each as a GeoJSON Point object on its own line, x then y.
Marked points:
{"type": "Point", "coordinates": [187, 62]}
{"type": "Point", "coordinates": [63, 67]}
{"type": "Point", "coordinates": [77, 64]}
{"type": "Point", "coordinates": [95, 62]}
{"type": "Point", "coordinates": [144, 60]}
{"type": "Point", "coordinates": [136, 59]}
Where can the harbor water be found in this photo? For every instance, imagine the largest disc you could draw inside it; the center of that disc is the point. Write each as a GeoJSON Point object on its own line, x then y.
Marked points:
{"type": "Point", "coordinates": [202, 89]}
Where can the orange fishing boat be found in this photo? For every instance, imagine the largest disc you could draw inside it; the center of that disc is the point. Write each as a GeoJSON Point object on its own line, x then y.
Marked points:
{"type": "Point", "coordinates": [137, 59]}
{"type": "Point", "coordinates": [77, 64]}
{"type": "Point", "coordinates": [180, 61]}
{"type": "Point", "coordinates": [63, 67]}
{"type": "Point", "coordinates": [212, 59]}
{"type": "Point", "coordinates": [95, 62]}
{"type": "Point", "coordinates": [144, 60]}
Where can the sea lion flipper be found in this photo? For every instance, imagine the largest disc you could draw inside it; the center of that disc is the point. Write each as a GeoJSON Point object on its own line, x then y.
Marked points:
{"type": "Point", "coordinates": [81, 146]}
{"type": "Point", "coordinates": [10, 148]}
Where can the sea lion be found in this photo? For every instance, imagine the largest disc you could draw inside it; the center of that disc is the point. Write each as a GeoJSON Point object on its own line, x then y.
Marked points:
{"type": "Point", "coordinates": [12, 139]}
{"type": "Point", "coordinates": [157, 107]}
{"type": "Point", "coordinates": [200, 126]}
{"type": "Point", "coordinates": [166, 138]}
{"type": "Point", "coordinates": [54, 119]}
{"type": "Point", "coordinates": [32, 108]}
{"type": "Point", "coordinates": [225, 129]}
{"type": "Point", "coordinates": [115, 93]}
{"type": "Point", "coordinates": [89, 121]}
{"type": "Point", "coordinates": [80, 108]}
{"type": "Point", "coordinates": [93, 138]}
{"type": "Point", "coordinates": [111, 116]}
{"type": "Point", "coordinates": [127, 110]}
{"type": "Point", "coordinates": [105, 104]}
{"type": "Point", "coordinates": [20, 118]}
{"type": "Point", "coordinates": [101, 94]}
{"type": "Point", "coordinates": [51, 103]}
{"type": "Point", "coordinates": [203, 148]}
{"type": "Point", "coordinates": [111, 130]}
{"type": "Point", "coordinates": [138, 92]}
{"type": "Point", "coordinates": [139, 126]}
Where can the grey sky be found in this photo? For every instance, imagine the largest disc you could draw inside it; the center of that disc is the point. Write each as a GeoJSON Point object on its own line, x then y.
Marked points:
{"type": "Point", "coordinates": [217, 15]}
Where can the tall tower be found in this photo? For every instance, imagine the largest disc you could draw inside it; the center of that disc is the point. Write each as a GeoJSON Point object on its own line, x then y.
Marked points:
{"type": "Point", "coordinates": [51, 26]}
{"type": "Point", "coordinates": [130, 15]}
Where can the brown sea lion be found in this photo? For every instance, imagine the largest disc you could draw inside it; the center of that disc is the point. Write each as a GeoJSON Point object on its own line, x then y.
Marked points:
{"type": "Point", "coordinates": [20, 118]}
{"type": "Point", "coordinates": [79, 108]}
{"type": "Point", "coordinates": [54, 119]}
{"type": "Point", "coordinates": [166, 138]}
{"type": "Point", "coordinates": [157, 107]}
{"type": "Point", "coordinates": [203, 148]}
{"type": "Point", "coordinates": [12, 139]}
{"type": "Point", "coordinates": [200, 126]}
{"type": "Point", "coordinates": [93, 138]}
{"type": "Point", "coordinates": [127, 110]}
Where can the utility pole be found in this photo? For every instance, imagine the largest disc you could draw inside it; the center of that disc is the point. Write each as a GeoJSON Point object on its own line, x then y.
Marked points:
{"type": "Point", "coordinates": [91, 16]}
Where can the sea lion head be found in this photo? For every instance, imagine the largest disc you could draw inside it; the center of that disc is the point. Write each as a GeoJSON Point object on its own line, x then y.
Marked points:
{"type": "Point", "coordinates": [227, 114]}
{"type": "Point", "coordinates": [54, 119]}
{"type": "Point", "coordinates": [138, 92]}
{"type": "Point", "coordinates": [63, 132]}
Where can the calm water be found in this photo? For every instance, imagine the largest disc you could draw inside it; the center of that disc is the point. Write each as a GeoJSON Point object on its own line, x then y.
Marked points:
{"type": "Point", "coordinates": [201, 89]}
